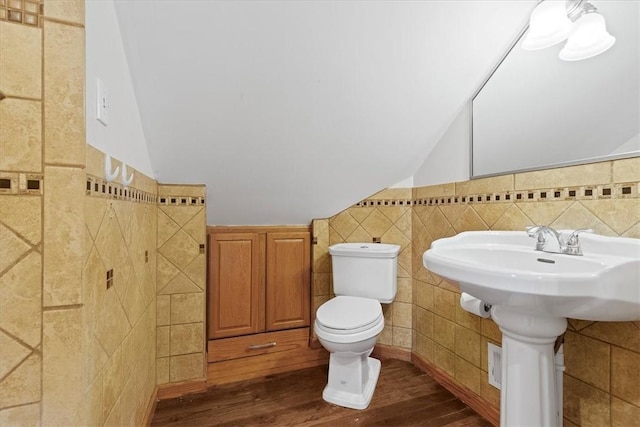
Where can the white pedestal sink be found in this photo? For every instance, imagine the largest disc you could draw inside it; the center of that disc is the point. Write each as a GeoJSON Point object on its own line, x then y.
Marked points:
{"type": "Point", "coordinates": [532, 294]}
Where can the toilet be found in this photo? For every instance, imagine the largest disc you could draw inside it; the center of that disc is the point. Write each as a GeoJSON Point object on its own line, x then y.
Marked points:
{"type": "Point", "coordinates": [364, 275]}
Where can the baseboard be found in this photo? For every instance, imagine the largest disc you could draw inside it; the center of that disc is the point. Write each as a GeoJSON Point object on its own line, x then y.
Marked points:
{"type": "Point", "coordinates": [151, 408]}
{"type": "Point", "coordinates": [171, 390]}
{"type": "Point", "coordinates": [388, 352]}
{"type": "Point", "coordinates": [475, 402]}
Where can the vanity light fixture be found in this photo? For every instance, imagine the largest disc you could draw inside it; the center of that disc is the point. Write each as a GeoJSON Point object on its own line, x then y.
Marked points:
{"type": "Point", "coordinates": [576, 21]}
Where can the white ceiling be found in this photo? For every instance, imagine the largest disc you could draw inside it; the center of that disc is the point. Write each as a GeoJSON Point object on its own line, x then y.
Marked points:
{"type": "Point", "coordinates": [294, 110]}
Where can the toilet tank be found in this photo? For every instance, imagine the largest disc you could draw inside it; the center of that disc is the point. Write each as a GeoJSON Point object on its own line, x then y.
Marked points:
{"type": "Point", "coordinates": [367, 270]}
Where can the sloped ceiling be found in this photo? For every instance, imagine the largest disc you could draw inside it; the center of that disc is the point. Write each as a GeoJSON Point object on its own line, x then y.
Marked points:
{"type": "Point", "coordinates": [294, 110]}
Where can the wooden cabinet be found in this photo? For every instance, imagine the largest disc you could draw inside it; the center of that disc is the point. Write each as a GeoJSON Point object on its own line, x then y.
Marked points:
{"type": "Point", "coordinates": [259, 280]}
{"type": "Point", "coordinates": [259, 290]}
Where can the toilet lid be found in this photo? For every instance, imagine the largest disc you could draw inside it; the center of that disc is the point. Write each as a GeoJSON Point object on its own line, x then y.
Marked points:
{"type": "Point", "coordinates": [348, 313]}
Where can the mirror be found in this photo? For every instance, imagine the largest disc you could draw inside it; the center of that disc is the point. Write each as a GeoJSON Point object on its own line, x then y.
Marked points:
{"type": "Point", "coordinates": [537, 112]}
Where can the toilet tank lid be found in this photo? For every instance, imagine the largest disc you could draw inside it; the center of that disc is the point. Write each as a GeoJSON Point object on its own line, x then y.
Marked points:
{"type": "Point", "coordinates": [366, 250]}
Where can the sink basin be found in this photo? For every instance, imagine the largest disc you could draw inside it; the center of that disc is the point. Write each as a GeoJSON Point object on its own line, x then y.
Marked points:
{"type": "Point", "coordinates": [502, 268]}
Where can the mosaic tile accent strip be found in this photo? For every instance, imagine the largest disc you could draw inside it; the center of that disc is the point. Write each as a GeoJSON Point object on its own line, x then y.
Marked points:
{"type": "Point", "coordinates": [181, 201]}
{"type": "Point", "coordinates": [98, 187]}
{"type": "Point", "coordinates": [629, 190]}
{"type": "Point", "coordinates": [21, 183]}
{"type": "Point", "coordinates": [25, 12]}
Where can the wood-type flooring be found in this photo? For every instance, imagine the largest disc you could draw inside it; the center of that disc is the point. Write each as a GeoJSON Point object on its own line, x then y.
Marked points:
{"type": "Point", "coordinates": [404, 396]}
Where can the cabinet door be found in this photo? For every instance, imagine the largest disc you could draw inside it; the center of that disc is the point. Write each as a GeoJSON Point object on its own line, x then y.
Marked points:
{"type": "Point", "coordinates": [236, 277]}
{"type": "Point", "coordinates": [288, 280]}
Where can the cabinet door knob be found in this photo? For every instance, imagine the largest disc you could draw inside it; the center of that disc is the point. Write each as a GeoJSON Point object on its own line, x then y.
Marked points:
{"type": "Point", "coordinates": [261, 346]}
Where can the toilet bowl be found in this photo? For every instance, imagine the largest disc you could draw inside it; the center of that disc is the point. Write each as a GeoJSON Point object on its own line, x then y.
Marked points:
{"type": "Point", "coordinates": [348, 327]}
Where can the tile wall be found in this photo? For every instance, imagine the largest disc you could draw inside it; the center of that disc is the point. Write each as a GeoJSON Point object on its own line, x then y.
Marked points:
{"type": "Point", "coordinates": [77, 344]}
{"type": "Point", "coordinates": [386, 219]}
{"type": "Point", "coordinates": [41, 197]}
{"type": "Point", "coordinates": [181, 297]}
{"type": "Point", "coordinates": [119, 313]}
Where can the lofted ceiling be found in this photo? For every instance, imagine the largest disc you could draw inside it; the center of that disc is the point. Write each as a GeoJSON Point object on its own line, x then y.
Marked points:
{"type": "Point", "coordinates": [294, 110]}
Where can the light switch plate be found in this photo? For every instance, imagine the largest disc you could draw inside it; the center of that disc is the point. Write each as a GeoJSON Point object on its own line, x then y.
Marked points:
{"type": "Point", "coordinates": [102, 102]}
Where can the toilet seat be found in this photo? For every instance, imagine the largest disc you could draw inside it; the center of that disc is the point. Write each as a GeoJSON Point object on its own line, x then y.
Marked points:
{"type": "Point", "coordinates": [348, 315]}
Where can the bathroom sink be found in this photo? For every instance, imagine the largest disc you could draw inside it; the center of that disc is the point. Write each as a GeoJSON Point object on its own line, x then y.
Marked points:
{"type": "Point", "coordinates": [503, 269]}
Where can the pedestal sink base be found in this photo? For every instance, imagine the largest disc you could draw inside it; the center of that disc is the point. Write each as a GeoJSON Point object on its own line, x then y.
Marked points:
{"type": "Point", "coordinates": [529, 395]}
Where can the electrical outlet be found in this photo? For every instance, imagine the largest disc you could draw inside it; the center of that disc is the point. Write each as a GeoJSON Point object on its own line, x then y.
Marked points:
{"type": "Point", "coordinates": [495, 365]}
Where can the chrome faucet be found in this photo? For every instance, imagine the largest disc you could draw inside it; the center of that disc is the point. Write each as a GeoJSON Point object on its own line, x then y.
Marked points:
{"type": "Point", "coordinates": [557, 243]}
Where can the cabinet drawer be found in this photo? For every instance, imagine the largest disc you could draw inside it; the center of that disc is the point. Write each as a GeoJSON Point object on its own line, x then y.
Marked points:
{"type": "Point", "coordinates": [252, 345]}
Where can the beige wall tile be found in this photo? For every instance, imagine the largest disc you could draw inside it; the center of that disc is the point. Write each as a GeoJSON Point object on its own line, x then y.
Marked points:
{"type": "Point", "coordinates": [589, 174]}
{"type": "Point", "coordinates": [187, 338]}
{"type": "Point", "coordinates": [186, 367]}
{"type": "Point", "coordinates": [64, 121]}
{"type": "Point", "coordinates": [585, 405]}
{"type": "Point", "coordinates": [163, 310]}
{"type": "Point", "coordinates": [197, 190]}
{"type": "Point", "coordinates": [162, 370]}
{"type": "Point", "coordinates": [424, 322]}
{"type": "Point", "coordinates": [401, 337]}
{"type": "Point", "coordinates": [542, 213]}
{"type": "Point", "coordinates": [467, 345]}
{"type": "Point", "coordinates": [491, 212]}
{"type": "Point", "coordinates": [577, 216]}
{"type": "Point", "coordinates": [392, 194]}
{"type": "Point", "coordinates": [13, 353]}
{"type": "Point", "coordinates": [468, 374]}
{"type": "Point", "coordinates": [20, 288]}
{"type": "Point", "coordinates": [423, 346]}
{"type": "Point", "coordinates": [112, 325]}
{"type": "Point", "coordinates": [468, 320]}
{"type": "Point", "coordinates": [444, 303]}
{"type": "Point", "coordinates": [491, 330]}
{"type": "Point", "coordinates": [444, 359]}
{"type": "Point", "coordinates": [23, 384]}
{"type": "Point", "coordinates": [587, 360]}
{"type": "Point", "coordinates": [402, 314]}
{"type": "Point", "coordinates": [28, 415]}
{"type": "Point", "coordinates": [63, 236]}
{"type": "Point", "coordinates": [20, 63]}
{"type": "Point", "coordinates": [625, 375]}
{"type": "Point", "coordinates": [489, 392]}
{"type": "Point", "coordinates": [180, 249]}
{"type": "Point", "coordinates": [187, 308]}
{"type": "Point", "coordinates": [435, 191]}
{"type": "Point", "coordinates": [112, 383]}
{"type": "Point", "coordinates": [65, 10]}
{"type": "Point", "coordinates": [424, 295]}
{"type": "Point", "coordinates": [622, 334]}
{"type": "Point", "coordinates": [444, 332]}
{"type": "Point", "coordinates": [196, 227]}
{"type": "Point", "coordinates": [386, 336]}
{"type": "Point", "coordinates": [494, 184]}
{"type": "Point", "coordinates": [162, 341]}
{"type": "Point", "coordinates": [623, 414]}
{"type": "Point", "coordinates": [62, 357]}
{"type": "Point", "coordinates": [513, 219]}
{"type": "Point", "coordinates": [618, 214]}
{"type": "Point", "coordinates": [626, 170]}
{"type": "Point", "coordinates": [20, 135]}
{"type": "Point", "coordinates": [404, 293]}
{"type": "Point", "coordinates": [197, 271]}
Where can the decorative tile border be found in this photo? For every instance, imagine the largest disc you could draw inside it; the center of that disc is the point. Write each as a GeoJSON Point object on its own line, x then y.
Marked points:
{"type": "Point", "coordinates": [25, 12]}
{"type": "Point", "coordinates": [598, 192]}
{"type": "Point", "coordinates": [98, 187]}
{"type": "Point", "coordinates": [21, 183]}
{"type": "Point", "coordinates": [181, 201]}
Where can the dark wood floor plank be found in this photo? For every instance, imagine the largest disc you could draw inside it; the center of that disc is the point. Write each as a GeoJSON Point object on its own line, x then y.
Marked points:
{"type": "Point", "coordinates": [405, 396]}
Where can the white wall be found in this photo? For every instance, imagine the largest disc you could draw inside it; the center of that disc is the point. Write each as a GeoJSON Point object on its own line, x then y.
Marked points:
{"type": "Point", "coordinates": [123, 138]}
{"type": "Point", "coordinates": [449, 159]}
